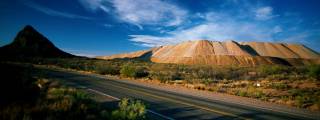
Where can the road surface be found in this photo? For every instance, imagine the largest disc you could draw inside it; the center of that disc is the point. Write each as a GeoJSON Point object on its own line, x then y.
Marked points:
{"type": "Point", "coordinates": [172, 104]}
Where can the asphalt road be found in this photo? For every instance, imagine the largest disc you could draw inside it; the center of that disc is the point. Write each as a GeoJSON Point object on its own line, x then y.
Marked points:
{"type": "Point", "coordinates": [172, 105]}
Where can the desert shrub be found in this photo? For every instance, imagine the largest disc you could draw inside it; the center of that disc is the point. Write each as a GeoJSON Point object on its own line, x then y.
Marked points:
{"type": "Point", "coordinates": [305, 97]}
{"type": "Point", "coordinates": [165, 76]}
{"type": "Point", "coordinates": [314, 71]}
{"type": "Point", "coordinates": [206, 72]}
{"type": "Point", "coordinates": [184, 71]}
{"type": "Point", "coordinates": [167, 71]}
{"type": "Point", "coordinates": [300, 69]}
{"type": "Point", "coordinates": [251, 91]}
{"type": "Point", "coordinates": [234, 73]}
{"type": "Point", "coordinates": [201, 73]}
{"type": "Point", "coordinates": [213, 88]}
{"type": "Point", "coordinates": [23, 98]}
{"type": "Point", "coordinates": [258, 94]}
{"type": "Point", "coordinates": [132, 71]}
{"type": "Point", "coordinates": [55, 103]}
{"type": "Point", "coordinates": [273, 69]}
{"type": "Point", "coordinates": [111, 70]}
{"type": "Point", "coordinates": [127, 71]}
{"type": "Point", "coordinates": [279, 77]}
{"type": "Point", "coordinates": [59, 103]}
{"type": "Point", "coordinates": [241, 93]}
{"type": "Point", "coordinates": [280, 86]}
{"type": "Point", "coordinates": [159, 67]}
{"type": "Point", "coordinates": [129, 110]}
{"type": "Point", "coordinates": [207, 81]}
{"type": "Point", "coordinates": [69, 103]}
{"type": "Point", "coordinates": [141, 72]}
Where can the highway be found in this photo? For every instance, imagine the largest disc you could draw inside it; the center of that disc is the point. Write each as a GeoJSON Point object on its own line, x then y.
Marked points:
{"type": "Point", "coordinates": [173, 105]}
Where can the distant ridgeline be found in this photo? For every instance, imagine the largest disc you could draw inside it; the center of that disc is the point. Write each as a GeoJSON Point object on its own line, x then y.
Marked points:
{"type": "Point", "coordinates": [226, 53]}
{"type": "Point", "coordinates": [29, 43]}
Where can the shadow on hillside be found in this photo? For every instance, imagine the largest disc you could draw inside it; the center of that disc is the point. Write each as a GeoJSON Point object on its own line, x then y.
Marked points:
{"type": "Point", "coordinates": [144, 57]}
{"type": "Point", "coordinates": [250, 50]}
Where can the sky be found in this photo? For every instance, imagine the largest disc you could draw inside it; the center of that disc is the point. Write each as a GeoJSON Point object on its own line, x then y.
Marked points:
{"type": "Point", "coordinates": [105, 27]}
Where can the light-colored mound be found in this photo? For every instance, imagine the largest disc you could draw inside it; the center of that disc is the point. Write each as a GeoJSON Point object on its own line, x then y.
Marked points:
{"type": "Point", "coordinates": [227, 53]}
{"type": "Point", "coordinates": [282, 50]}
{"type": "Point", "coordinates": [125, 55]}
{"type": "Point", "coordinates": [221, 60]}
{"type": "Point", "coordinates": [201, 48]}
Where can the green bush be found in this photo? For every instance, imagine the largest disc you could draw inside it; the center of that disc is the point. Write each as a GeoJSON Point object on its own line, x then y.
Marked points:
{"type": "Point", "coordinates": [165, 76]}
{"type": "Point", "coordinates": [57, 103]}
{"type": "Point", "coordinates": [132, 71]}
{"type": "Point", "coordinates": [280, 86]}
{"type": "Point", "coordinates": [127, 71]}
{"type": "Point", "coordinates": [206, 72]}
{"type": "Point", "coordinates": [241, 93]}
{"type": "Point", "coordinates": [130, 110]}
{"type": "Point", "coordinates": [273, 69]}
{"type": "Point", "coordinates": [24, 99]}
{"type": "Point", "coordinates": [305, 97]}
{"type": "Point", "coordinates": [141, 72]}
{"type": "Point", "coordinates": [314, 71]}
{"type": "Point", "coordinates": [258, 94]}
{"type": "Point", "coordinates": [110, 70]}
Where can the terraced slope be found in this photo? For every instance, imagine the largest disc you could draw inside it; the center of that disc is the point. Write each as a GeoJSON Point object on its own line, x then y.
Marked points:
{"type": "Point", "coordinates": [227, 53]}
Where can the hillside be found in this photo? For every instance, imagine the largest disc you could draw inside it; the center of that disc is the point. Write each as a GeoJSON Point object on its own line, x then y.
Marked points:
{"type": "Point", "coordinates": [30, 43]}
{"type": "Point", "coordinates": [227, 53]}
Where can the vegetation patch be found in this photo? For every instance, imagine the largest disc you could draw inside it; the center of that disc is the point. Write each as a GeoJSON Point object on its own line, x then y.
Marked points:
{"type": "Point", "coordinates": [265, 82]}
{"type": "Point", "coordinates": [33, 97]}
{"type": "Point", "coordinates": [133, 71]}
{"type": "Point", "coordinates": [129, 110]}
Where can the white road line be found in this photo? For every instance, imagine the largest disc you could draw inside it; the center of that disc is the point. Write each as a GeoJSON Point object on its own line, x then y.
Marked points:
{"type": "Point", "coordinates": [165, 117]}
{"type": "Point", "coordinates": [103, 94]}
{"type": "Point", "coordinates": [153, 112]}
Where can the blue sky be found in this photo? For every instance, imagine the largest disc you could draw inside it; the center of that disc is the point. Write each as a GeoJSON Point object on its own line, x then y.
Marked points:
{"type": "Point", "coordinates": [104, 27]}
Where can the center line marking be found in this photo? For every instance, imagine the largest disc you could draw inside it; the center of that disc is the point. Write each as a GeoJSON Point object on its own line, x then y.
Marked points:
{"type": "Point", "coordinates": [103, 94]}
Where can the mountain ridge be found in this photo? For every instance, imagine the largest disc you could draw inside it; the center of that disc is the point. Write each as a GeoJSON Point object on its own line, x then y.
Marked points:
{"type": "Point", "coordinates": [30, 43]}
{"type": "Point", "coordinates": [227, 53]}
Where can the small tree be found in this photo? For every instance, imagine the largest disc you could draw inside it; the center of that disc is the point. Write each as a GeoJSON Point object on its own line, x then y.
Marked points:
{"type": "Point", "coordinates": [132, 71]}
{"type": "Point", "coordinates": [110, 70]}
{"type": "Point", "coordinates": [314, 71]}
{"type": "Point", "coordinates": [130, 110]}
{"type": "Point", "coordinates": [127, 71]}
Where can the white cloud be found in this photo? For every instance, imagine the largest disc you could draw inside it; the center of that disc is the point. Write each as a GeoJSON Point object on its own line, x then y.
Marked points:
{"type": "Point", "coordinates": [219, 31]}
{"type": "Point", "coordinates": [299, 38]}
{"type": "Point", "coordinates": [305, 36]}
{"type": "Point", "coordinates": [87, 53]}
{"type": "Point", "coordinates": [52, 12]}
{"type": "Point", "coordinates": [277, 29]}
{"type": "Point", "coordinates": [151, 41]}
{"type": "Point", "coordinates": [95, 5]}
{"type": "Point", "coordinates": [107, 25]}
{"type": "Point", "coordinates": [213, 16]}
{"type": "Point", "coordinates": [140, 12]}
{"type": "Point", "coordinates": [149, 12]}
{"type": "Point", "coordinates": [264, 13]}
{"type": "Point", "coordinates": [217, 26]}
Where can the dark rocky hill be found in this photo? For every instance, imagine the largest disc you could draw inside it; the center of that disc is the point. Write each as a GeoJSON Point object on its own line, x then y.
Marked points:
{"type": "Point", "coordinates": [30, 43]}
